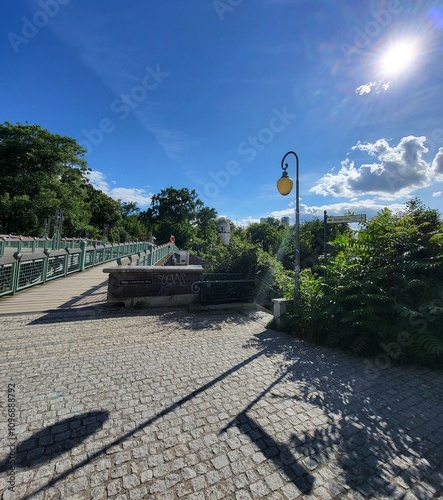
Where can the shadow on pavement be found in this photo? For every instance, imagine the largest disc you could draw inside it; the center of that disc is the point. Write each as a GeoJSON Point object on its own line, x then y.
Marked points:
{"type": "Point", "coordinates": [55, 440]}
{"type": "Point", "coordinates": [385, 427]}
{"type": "Point", "coordinates": [188, 321]}
{"type": "Point", "coordinates": [278, 453]}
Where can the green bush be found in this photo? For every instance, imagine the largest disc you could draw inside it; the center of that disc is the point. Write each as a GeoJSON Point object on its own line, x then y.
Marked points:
{"type": "Point", "coordinates": [382, 291]}
{"type": "Point", "coordinates": [250, 262]}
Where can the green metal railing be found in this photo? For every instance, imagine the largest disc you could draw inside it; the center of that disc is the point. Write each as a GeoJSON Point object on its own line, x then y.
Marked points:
{"type": "Point", "coordinates": [25, 269]}
{"type": "Point", "coordinates": [28, 244]}
{"type": "Point", "coordinates": [218, 288]}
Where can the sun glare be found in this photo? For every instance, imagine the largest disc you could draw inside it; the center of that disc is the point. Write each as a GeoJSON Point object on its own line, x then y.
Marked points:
{"type": "Point", "coordinates": [398, 58]}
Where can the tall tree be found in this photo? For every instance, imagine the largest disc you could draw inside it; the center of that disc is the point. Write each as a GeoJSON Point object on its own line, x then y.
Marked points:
{"type": "Point", "coordinates": [174, 211]}
{"type": "Point", "coordinates": [207, 223]}
{"type": "Point", "coordinates": [40, 172]}
{"type": "Point", "coordinates": [267, 234]}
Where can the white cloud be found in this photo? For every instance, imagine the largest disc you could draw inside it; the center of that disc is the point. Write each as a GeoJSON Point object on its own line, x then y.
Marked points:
{"type": "Point", "coordinates": [370, 207]}
{"type": "Point", "coordinates": [98, 180]}
{"type": "Point", "coordinates": [136, 195]}
{"type": "Point", "coordinates": [437, 194]}
{"type": "Point", "coordinates": [247, 221]}
{"type": "Point", "coordinates": [376, 87]}
{"type": "Point", "coordinates": [398, 171]}
{"type": "Point", "coordinates": [437, 165]}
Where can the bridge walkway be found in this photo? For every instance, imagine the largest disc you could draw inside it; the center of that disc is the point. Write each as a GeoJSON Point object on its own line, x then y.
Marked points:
{"type": "Point", "coordinates": [82, 289]}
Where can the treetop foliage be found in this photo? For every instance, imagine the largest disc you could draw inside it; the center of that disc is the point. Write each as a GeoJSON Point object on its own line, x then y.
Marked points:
{"type": "Point", "coordinates": [41, 172]}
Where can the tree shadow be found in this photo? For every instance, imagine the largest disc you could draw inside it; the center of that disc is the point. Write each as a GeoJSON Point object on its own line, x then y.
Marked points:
{"type": "Point", "coordinates": [189, 320]}
{"type": "Point", "coordinates": [55, 440]}
{"type": "Point", "coordinates": [209, 320]}
{"type": "Point", "coordinates": [381, 424]}
{"type": "Point", "coordinates": [100, 311]}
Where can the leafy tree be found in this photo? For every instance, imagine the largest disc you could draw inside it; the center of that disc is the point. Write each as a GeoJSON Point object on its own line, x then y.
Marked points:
{"type": "Point", "coordinates": [176, 211]}
{"type": "Point", "coordinates": [30, 154]}
{"type": "Point", "coordinates": [206, 223]}
{"type": "Point", "coordinates": [267, 234]}
{"type": "Point", "coordinates": [128, 208]}
{"type": "Point", "coordinates": [104, 210]}
{"type": "Point", "coordinates": [42, 172]}
{"type": "Point", "coordinates": [312, 243]}
{"type": "Point", "coordinates": [39, 173]}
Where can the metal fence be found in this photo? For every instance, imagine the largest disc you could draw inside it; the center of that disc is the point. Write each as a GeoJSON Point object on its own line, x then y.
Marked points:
{"type": "Point", "coordinates": [23, 270]}
{"type": "Point", "coordinates": [215, 288]}
{"type": "Point", "coordinates": [10, 244]}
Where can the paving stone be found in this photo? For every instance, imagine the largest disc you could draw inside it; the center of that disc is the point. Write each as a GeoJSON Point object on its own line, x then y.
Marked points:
{"type": "Point", "coordinates": [130, 482]}
{"type": "Point", "coordinates": [242, 495]}
{"type": "Point", "coordinates": [219, 462]}
{"type": "Point", "coordinates": [259, 489]}
{"type": "Point", "coordinates": [274, 481]}
{"type": "Point", "coordinates": [114, 487]}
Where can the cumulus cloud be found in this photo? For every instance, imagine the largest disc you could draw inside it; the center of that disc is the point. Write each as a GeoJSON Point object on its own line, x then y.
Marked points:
{"type": "Point", "coordinates": [437, 194]}
{"type": "Point", "coordinates": [135, 195]}
{"type": "Point", "coordinates": [246, 221]}
{"type": "Point", "coordinates": [437, 165]}
{"type": "Point", "coordinates": [370, 207]}
{"type": "Point", "coordinates": [369, 87]}
{"type": "Point", "coordinates": [397, 172]}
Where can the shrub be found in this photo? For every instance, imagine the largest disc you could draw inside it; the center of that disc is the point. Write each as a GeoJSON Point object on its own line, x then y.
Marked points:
{"type": "Point", "coordinates": [381, 291]}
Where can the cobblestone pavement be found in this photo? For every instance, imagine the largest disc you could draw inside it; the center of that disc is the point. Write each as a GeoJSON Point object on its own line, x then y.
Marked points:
{"type": "Point", "coordinates": [170, 404]}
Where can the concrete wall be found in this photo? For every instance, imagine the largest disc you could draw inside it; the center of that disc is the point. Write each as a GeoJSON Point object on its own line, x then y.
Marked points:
{"type": "Point", "coordinates": [152, 285]}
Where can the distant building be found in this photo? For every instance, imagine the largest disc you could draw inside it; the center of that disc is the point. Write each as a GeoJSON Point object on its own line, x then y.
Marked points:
{"type": "Point", "coordinates": [283, 220]}
{"type": "Point", "coordinates": [224, 230]}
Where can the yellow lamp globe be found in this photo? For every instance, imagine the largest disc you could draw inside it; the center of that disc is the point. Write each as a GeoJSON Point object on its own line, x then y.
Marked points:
{"type": "Point", "coordinates": [284, 184]}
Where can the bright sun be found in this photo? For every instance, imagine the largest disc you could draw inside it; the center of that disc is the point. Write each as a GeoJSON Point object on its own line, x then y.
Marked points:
{"type": "Point", "coordinates": [398, 58]}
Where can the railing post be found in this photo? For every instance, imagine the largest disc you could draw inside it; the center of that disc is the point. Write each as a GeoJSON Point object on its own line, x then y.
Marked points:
{"type": "Point", "coordinates": [149, 250]}
{"type": "Point", "coordinates": [45, 265]}
{"type": "Point", "coordinates": [82, 255]}
{"type": "Point", "coordinates": [16, 271]}
{"type": "Point", "coordinates": [66, 263]}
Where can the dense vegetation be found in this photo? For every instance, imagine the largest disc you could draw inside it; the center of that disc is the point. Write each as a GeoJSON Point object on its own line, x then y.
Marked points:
{"type": "Point", "coordinates": [381, 291]}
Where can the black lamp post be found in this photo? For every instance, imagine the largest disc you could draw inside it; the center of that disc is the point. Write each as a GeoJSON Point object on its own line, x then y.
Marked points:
{"type": "Point", "coordinates": [284, 186]}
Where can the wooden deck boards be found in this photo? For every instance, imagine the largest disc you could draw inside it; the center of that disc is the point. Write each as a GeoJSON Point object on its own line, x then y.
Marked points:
{"type": "Point", "coordinates": [81, 289]}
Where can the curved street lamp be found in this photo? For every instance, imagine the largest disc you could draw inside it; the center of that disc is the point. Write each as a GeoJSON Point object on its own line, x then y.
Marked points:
{"type": "Point", "coordinates": [284, 186]}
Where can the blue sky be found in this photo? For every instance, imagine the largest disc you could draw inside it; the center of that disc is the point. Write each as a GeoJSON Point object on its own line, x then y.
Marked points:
{"type": "Point", "coordinates": [211, 94]}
